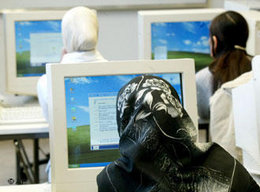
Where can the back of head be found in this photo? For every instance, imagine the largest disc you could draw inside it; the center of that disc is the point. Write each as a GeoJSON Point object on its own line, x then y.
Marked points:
{"type": "Point", "coordinates": [231, 31]}
{"type": "Point", "coordinates": [79, 29]}
{"type": "Point", "coordinates": [149, 110]}
{"type": "Point", "coordinates": [231, 59]}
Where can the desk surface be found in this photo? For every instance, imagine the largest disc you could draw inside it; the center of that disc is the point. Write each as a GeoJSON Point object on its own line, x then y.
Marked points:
{"type": "Point", "coordinates": [28, 128]}
{"type": "Point", "coordinates": [44, 187]}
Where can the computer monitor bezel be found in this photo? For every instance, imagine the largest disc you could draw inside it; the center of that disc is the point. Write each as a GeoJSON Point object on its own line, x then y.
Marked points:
{"type": "Point", "coordinates": [14, 84]}
{"type": "Point", "coordinates": [253, 43]}
{"type": "Point", "coordinates": [146, 18]}
{"type": "Point", "coordinates": [245, 118]}
{"type": "Point", "coordinates": [84, 179]}
{"type": "Point", "coordinates": [2, 56]}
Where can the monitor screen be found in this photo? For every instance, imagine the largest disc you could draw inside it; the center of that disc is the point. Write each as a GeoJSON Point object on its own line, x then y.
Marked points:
{"type": "Point", "coordinates": [37, 43]}
{"type": "Point", "coordinates": [32, 38]}
{"type": "Point", "coordinates": [189, 39]}
{"type": "Point", "coordinates": [91, 117]}
{"type": "Point", "coordinates": [171, 34]}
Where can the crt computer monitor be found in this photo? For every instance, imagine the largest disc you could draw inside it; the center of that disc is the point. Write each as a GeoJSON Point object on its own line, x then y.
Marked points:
{"type": "Point", "coordinates": [168, 34]}
{"type": "Point", "coordinates": [82, 108]}
{"type": "Point", "coordinates": [246, 119]}
{"type": "Point", "coordinates": [253, 20]}
{"type": "Point", "coordinates": [29, 40]}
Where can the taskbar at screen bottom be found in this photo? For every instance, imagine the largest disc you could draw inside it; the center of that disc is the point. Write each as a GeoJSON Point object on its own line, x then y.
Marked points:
{"type": "Point", "coordinates": [103, 164]}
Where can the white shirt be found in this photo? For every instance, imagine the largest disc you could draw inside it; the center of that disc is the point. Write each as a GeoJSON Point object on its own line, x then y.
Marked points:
{"type": "Point", "coordinates": [222, 129]}
{"type": "Point", "coordinates": [204, 84]}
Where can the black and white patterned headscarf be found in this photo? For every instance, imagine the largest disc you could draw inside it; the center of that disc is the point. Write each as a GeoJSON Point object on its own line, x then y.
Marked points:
{"type": "Point", "coordinates": [158, 145]}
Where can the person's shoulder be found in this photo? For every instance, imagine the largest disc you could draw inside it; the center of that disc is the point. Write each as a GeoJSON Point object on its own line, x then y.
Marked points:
{"type": "Point", "coordinates": [42, 82]}
{"type": "Point", "coordinates": [243, 181]}
{"type": "Point", "coordinates": [203, 74]}
{"type": "Point", "coordinates": [115, 177]}
{"type": "Point", "coordinates": [103, 181]}
{"type": "Point", "coordinates": [242, 79]}
{"type": "Point", "coordinates": [42, 85]}
{"type": "Point", "coordinates": [42, 78]}
{"type": "Point", "coordinates": [227, 87]}
{"type": "Point", "coordinates": [204, 81]}
{"type": "Point", "coordinates": [220, 94]}
{"type": "Point", "coordinates": [204, 71]}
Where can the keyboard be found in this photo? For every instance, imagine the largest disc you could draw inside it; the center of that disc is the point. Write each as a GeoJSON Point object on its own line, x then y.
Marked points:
{"type": "Point", "coordinates": [22, 114]}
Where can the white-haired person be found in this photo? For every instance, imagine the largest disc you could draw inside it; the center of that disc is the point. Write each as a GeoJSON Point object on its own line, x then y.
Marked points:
{"type": "Point", "coordinates": [80, 36]}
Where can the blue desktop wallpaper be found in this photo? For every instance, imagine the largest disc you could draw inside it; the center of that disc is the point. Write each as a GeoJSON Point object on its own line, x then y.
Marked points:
{"type": "Point", "coordinates": [24, 28]}
{"type": "Point", "coordinates": [78, 88]}
{"type": "Point", "coordinates": [187, 39]}
{"type": "Point", "coordinates": [190, 36]}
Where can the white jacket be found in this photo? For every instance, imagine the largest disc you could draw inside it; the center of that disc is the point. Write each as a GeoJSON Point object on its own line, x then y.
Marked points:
{"type": "Point", "coordinates": [204, 84]}
{"type": "Point", "coordinates": [221, 115]}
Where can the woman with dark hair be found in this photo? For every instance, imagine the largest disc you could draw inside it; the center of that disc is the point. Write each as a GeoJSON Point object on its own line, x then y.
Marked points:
{"type": "Point", "coordinates": [228, 37]}
{"type": "Point", "coordinates": [158, 147]}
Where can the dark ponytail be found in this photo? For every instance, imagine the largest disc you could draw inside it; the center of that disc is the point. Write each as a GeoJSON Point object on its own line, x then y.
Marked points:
{"type": "Point", "coordinates": [231, 59]}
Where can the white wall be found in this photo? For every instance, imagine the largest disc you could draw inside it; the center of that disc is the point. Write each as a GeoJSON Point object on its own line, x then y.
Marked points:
{"type": "Point", "coordinates": [118, 35]}
{"type": "Point", "coordinates": [216, 3]}
{"type": "Point", "coordinates": [99, 4]}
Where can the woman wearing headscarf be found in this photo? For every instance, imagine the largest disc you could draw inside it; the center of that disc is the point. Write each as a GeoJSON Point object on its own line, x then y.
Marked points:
{"type": "Point", "coordinates": [80, 36]}
{"type": "Point", "coordinates": [158, 147]}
